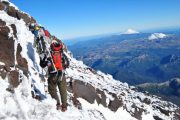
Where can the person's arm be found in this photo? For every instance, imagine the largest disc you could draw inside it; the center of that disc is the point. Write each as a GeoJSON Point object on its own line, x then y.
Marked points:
{"type": "Point", "coordinates": [43, 62]}
{"type": "Point", "coordinates": [66, 61]}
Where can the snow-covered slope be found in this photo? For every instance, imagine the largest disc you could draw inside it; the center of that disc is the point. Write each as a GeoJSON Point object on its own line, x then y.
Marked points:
{"type": "Point", "coordinates": [100, 97]}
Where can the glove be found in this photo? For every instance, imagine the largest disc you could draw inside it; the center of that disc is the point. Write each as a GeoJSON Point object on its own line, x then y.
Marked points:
{"type": "Point", "coordinates": [66, 66]}
{"type": "Point", "coordinates": [49, 64]}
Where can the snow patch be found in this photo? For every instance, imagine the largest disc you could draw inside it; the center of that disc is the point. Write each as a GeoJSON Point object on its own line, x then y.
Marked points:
{"type": "Point", "coordinates": [108, 114]}
{"type": "Point", "coordinates": [1, 63]}
{"type": "Point", "coordinates": [24, 36]}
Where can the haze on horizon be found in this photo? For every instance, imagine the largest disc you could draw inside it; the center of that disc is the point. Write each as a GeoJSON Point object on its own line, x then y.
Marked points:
{"type": "Point", "coordinates": [75, 18]}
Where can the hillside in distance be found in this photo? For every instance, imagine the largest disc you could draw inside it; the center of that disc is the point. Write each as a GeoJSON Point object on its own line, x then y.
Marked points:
{"type": "Point", "coordinates": [144, 58]}
{"type": "Point", "coordinates": [133, 58]}
{"type": "Point", "coordinates": [169, 90]}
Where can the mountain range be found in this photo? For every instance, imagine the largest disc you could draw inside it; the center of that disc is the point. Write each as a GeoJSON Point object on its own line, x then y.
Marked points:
{"type": "Point", "coordinates": [134, 58]}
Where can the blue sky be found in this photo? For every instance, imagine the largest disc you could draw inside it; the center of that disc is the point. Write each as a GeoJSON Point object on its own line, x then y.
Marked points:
{"type": "Point", "coordinates": [75, 18]}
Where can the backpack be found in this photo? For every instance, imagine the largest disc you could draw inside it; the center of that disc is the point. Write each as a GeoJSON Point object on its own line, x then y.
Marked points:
{"type": "Point", "coordinates": [46, 33]}
{"type": "Point", "coordinates": [57, 56]}
{"type": "Point", "coordinates": [57, 59]}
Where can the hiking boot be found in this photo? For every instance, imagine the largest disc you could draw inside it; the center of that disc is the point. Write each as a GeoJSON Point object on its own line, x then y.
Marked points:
{"type": "Point", "coordinates": [63, 108]}
{"type": "Point", "coordinates": [58, 106]}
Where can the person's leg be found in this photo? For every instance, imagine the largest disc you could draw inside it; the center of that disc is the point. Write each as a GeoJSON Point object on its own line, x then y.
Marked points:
{"type": "Point", "coordinates": [38, 46]}
{"type": "Point", "coordinates": [63, 90]}
{"type": "Point", "coordinates": [34, 44]}
{"type": "Point", "coordinates": [52, 88]}
{"type": "Point", "coordinates": [43, 44]}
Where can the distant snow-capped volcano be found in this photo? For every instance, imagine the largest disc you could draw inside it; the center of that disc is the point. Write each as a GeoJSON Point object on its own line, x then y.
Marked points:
{"type": "Point", "coordinates": [157, 36]}
{"type": "Point", "coordinates": [131, 31]}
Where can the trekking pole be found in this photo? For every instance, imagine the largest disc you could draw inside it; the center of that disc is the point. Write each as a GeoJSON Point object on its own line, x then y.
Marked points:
{"type": "Point", "coordinates": [58, 80]}
{"type": "Point", "coordinates": [52, 62]}
{"type": "Point", "coordinates": [65, 71]}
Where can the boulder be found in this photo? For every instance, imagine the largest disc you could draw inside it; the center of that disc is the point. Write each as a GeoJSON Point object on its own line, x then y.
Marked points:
{"type": "Point", "coordinates": [19, 15]}
{"type": "Point", "coordinates": [85, 91]}
{"type": "Point", "coordinates": [137, 113]}
{"type": "Point", "coordinates": [116, 103]}
{"type": "Point", "coordinates": [89, 93]}
{"type": "Point", "coordinates": [14, 78]}
{"type": "Point", "coordinates": [27, 19]}
{"type": "Point", "coordinates": [13, 12]}
{"type": "Point", "coordinates": [14, 30]}
{"type": "Point", "coordinates": [6, 46]}
{"type": "Point", "coordinates": [101, 97]}
{"type": "Point", "coordinates": [22, 62]}
{"type": "Point", "coordinates": [157, 118]}
{"type": "Point", "coordinates": [164, 111]}
{"type": "Point", "coordinates": [177, 114]}
{"type": "Point", "coordinates": [147, 101]}
{"type": "Point", "coordinates": [2, 6]}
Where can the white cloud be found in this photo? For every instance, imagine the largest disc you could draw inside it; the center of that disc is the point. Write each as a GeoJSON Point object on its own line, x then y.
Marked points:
{"type": "Point", "coordinates": [131, 31]}
{"type": "Point", "coordinates": [157, 36]}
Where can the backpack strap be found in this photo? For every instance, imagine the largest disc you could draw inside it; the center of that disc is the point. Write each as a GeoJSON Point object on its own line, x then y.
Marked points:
{"type": "Point", "coordinates": [65, 61]}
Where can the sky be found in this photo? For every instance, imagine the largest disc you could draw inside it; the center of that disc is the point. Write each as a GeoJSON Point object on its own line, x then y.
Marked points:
{"type": "Point", "coordinates": [76, 18]}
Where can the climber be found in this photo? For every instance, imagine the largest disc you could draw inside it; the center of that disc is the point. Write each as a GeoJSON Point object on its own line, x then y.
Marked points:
{"type": "Point", "coordinates": [35, 32]}
{"type": "Point", "coordinates": [47, 36]}
{"type": "Point", "coordinates": [39, 41]}
{"type": "Point", "coordinates": [31, 27]}
{"type": "Point", "coordinates": [42, 42]}
{"type": "Point", "coordinates": [56, 62]}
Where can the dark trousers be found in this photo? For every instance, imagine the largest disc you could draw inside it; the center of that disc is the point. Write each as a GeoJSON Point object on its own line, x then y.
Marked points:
{"type": "Point", "coordinates": [54, 80]}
